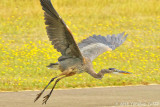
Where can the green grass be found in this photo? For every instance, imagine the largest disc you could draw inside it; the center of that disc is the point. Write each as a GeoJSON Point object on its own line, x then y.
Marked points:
{"type": "Point", "coordinates": [26, 50]}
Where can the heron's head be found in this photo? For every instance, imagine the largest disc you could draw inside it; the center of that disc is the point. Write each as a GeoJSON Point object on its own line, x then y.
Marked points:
{"type": "Point", "coordinates": [116, 71]}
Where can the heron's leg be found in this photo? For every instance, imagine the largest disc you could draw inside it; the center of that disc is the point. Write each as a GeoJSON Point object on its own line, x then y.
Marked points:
{"type": "Point", "coordinates": [47, 96]}
{"type": "Point", "coordinates": [38, 95]}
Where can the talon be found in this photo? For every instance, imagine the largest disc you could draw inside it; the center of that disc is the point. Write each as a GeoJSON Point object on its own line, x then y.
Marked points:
{"type": "Point", "coordinates": [38, 96]}
{"type": "Point", "coordinates": [45, 99]}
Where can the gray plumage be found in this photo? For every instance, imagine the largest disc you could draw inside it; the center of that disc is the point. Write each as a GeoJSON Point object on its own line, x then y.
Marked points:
{"type": "Point", "coordinates": [59, 33]}
{"type": "Point", "coordinates": [75, 58]}
{"type": "Point", "coordinates": [96, 45]}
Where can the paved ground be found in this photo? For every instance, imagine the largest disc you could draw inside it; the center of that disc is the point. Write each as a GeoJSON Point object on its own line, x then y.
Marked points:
{"type": "Point", "coordinates": [132, 96]}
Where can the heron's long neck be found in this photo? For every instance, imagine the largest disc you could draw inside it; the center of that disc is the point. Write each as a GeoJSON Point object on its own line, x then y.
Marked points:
{"type": "Point", "coordinates": [90, 70]}
{"type": "Point", "coordinates": [98, 75]}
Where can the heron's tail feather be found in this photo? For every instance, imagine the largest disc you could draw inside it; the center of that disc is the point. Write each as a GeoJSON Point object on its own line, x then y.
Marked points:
{"type": "Point", "coordinates": [54, 66]}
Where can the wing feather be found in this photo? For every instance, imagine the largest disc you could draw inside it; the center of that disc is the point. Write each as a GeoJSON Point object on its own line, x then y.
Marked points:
{"type": "Point", "coordinates": [96, 45]}
{"type": "Point", "coordinates": [59, 33]}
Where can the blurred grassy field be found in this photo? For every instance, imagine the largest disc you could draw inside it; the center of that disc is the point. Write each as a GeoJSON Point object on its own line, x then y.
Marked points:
{"type": "Point", "coordinates": [25, 50]}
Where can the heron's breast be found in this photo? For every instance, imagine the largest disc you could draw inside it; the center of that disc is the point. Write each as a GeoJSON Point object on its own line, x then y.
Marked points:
{"type": "Point", "coordinates": [80, 69]}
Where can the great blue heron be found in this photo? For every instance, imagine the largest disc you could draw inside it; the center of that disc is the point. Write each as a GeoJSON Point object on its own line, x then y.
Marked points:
{"type": "Point", "coordinates": [75, 58]}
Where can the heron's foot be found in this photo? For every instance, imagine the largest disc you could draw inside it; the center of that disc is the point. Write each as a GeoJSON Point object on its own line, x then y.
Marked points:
{"type": "Point", "coordinates": [45, 99]}
{"type": "Point", "coordinates": [38, 96]}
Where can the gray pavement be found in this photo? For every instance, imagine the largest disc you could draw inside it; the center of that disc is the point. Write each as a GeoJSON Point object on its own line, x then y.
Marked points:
{"type": "Point", "coordinates": [128, 96]}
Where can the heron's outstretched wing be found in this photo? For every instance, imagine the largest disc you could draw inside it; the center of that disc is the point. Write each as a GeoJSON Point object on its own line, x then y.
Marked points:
{"type": "Point", "coordinates": [59, 33]}
{"type": "Point", "coordinates": [96, 45]}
